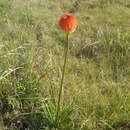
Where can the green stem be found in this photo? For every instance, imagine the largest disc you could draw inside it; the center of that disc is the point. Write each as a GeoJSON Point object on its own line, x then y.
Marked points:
{"type": "Point", "coordinates": [62, 79]}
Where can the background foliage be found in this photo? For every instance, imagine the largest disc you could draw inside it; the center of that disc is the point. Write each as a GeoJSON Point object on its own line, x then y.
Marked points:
{"type": "Point", "coordinates": [97, 81]}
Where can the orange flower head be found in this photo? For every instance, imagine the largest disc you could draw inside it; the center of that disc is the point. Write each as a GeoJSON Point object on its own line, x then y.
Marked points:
{"type": "Point", "coordinates": [68, 23]}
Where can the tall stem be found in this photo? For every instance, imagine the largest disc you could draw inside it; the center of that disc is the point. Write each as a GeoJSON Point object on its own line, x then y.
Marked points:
{"type": "Point", "coordinates": [62, 79]}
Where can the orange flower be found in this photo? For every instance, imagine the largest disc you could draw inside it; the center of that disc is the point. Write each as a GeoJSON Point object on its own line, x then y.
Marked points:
{"type": "Point", "coordinates": [68, 23]}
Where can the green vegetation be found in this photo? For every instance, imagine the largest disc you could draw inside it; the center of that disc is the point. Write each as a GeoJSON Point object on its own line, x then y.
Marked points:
{"type": "Point", "coordinates": [96, 93]}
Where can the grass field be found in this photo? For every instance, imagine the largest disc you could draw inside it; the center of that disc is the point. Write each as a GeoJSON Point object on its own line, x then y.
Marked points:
{"type": "Point", "coordinates": [96, 94]}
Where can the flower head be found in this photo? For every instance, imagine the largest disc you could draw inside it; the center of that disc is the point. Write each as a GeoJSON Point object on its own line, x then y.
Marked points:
{"type": "Point", "coordinates": [68, 23]}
